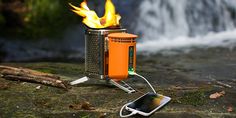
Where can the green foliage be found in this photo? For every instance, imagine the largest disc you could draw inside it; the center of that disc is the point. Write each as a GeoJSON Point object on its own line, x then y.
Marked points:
{"type": "Point", "coordinates": [2, 20]}
{"type": "Point", "coordinates": [46, 17]}
{"type": "Point", "coordinates": [43, 18]}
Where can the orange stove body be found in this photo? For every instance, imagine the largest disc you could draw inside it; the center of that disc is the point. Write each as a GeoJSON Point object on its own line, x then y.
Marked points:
{"type": "Point", "coordinates": [121, 56]}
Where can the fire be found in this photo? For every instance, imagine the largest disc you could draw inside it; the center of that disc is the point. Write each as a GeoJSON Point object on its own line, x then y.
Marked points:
{"type": "Point", "coordinates": [91, 19]}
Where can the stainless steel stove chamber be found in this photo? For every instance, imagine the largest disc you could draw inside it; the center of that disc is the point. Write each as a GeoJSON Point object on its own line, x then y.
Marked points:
{"type": "Point", "coordinates": [96, 51]}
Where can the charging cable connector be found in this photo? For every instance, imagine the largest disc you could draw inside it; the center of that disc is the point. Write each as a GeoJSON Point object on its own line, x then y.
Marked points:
{"type": "Point", "coordinates": [128, 115]}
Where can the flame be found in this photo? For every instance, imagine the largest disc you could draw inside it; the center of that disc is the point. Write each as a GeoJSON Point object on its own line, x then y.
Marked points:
{"type": "Point", "coordinates": [91, 19]}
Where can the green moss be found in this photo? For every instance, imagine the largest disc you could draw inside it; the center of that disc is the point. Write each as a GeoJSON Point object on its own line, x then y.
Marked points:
{"type": "Point", "coordinates": [86, 116]}
{"type": "Point", "coordinates": [195, 98]}
{"type": "Point", "coordinates": [24, 115]}
{"type": "Point", "coordinates": [66, 69]}
{"type": "Point", "coordinates": [45, 70]}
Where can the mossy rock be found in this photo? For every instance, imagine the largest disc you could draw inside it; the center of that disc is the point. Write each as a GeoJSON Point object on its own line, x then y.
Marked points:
{"type": "Point", "coordinates": [195, 98]}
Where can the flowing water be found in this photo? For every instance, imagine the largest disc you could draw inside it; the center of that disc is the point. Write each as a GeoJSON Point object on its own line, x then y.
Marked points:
{"type": "Point", "coordinates": [162, 26]}
{"type": "Point", "coordinates": [178, 24]}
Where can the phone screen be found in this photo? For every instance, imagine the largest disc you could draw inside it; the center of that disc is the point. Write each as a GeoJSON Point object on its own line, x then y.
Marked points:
{"type": "Point", "coordinates": [147, 103]}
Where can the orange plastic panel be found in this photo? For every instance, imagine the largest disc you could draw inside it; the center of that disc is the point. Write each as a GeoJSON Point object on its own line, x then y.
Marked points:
{"type": "Point", "coordinates": [119, 44]}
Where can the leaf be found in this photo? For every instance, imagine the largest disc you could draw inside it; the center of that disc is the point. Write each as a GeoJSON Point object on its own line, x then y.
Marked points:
{"type": "Point", "coordinates": [230, 109]}
{"type": "Point", "coordinates": [217, 95]}
{"type": "Point", "coordinates": [83, 106]}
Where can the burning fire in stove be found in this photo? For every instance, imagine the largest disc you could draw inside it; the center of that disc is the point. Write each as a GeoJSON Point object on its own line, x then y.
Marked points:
{"type": "Point", "coordinates": [90, 18]}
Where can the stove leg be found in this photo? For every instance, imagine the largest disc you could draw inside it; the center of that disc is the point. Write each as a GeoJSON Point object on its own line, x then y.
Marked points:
{"type": "Point", "coordinates": [80, 80]}
{"type": "Point", "coordinates": [124, 87]}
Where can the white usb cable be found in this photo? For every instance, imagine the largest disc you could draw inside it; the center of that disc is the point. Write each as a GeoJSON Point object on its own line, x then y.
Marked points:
{"type": "Point", "coordinates": [136, 74]}
{"type": "Point", "coordinates": [134, 112]}
{"type": "Point", "coordinates": [128, 115]}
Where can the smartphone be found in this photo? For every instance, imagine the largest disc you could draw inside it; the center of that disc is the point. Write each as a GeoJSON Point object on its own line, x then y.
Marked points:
{"type": "Point", "coordinates": [148, 103]}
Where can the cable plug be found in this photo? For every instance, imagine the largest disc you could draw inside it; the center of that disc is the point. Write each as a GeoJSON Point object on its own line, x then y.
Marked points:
{"type": "Point", "coordinates": [131, 71]}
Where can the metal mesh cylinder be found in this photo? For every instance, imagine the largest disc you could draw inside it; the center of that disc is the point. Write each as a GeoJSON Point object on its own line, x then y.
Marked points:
{"type": "Point", "coordinates": [95, 47]}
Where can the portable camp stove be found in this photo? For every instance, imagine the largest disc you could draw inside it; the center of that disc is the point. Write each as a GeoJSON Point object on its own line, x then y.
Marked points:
{"type": "Point", "coordinates": [109, 55]}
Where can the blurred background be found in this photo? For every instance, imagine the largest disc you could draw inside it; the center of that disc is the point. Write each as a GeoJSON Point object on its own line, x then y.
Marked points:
{"type": "Point", "coordinates": [46, 30]}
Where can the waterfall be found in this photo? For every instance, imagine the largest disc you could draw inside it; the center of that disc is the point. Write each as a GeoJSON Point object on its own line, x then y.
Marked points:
{"type": "Point", "coordinates": [162, 26]}
{"type": "Point", "coordinates": [174, 24]}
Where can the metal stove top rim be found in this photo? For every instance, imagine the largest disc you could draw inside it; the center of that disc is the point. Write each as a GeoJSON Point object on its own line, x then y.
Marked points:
{"type": "Point", "coordinates": [102, 31]}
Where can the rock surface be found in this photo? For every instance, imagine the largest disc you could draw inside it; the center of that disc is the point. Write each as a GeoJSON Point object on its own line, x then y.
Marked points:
{"type": "Point", "coordinates": [189, 79]}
